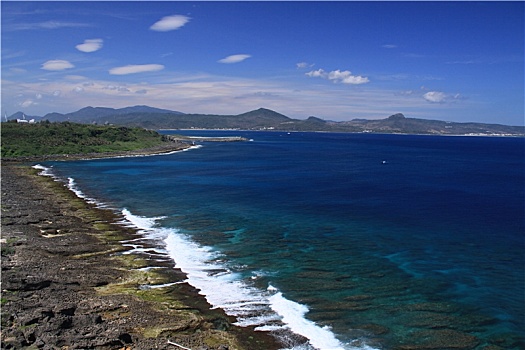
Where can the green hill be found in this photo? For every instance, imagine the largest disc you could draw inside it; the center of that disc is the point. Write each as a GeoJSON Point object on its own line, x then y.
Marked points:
{"type": "Point", "coordinates": [46, 138]}
{"type": "Point", "coordinates": [91, 114]}
{"type": "Point", "coordinates": [257, 119]}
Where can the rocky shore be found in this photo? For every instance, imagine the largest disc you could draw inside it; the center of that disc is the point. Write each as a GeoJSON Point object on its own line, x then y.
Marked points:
{"type": "Point", "coordinates": [68, 282]}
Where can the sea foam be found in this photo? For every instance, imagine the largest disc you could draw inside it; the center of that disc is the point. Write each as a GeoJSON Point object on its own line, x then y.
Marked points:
{"type": "Point", "coordinates": [70, 184]}
{"type": "Point", "coordinates": [266, 310]}
{"type": "Point", "coordinates": [45, 171]}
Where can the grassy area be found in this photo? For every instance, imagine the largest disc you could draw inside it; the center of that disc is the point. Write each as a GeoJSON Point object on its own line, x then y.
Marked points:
{"type": "Point", "coordinates": [19, 140]}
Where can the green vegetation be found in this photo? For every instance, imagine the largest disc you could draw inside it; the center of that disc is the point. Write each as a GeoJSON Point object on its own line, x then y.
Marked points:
{"type": "Point", "coordinates": [6, 247]}
{"type": "Point", "coordinates": [46, 138]}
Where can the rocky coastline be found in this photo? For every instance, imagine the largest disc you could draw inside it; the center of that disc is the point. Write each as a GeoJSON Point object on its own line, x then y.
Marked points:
{"type": "Point", "coordinates": [68, 282]}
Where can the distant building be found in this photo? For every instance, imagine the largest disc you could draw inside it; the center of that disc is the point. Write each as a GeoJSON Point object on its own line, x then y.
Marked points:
{"type": "Point", "coordinates": [24, 120]}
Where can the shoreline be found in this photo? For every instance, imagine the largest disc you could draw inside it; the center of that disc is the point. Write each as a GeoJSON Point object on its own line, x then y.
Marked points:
{"type": "Point", "coordinates": [356, 132]}
{"type": "Point", "coordinates": [68, 280]}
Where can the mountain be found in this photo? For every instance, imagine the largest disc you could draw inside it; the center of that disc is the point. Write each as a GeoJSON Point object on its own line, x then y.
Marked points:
{"type": "Point", "coordinates": [398, 123]}
{"type": "Point", "coordinates": [263, 116]}
{"type": "Point", "coordinates": [266, 119]}
{"type": "Point", "coordinates": [91, 114]}
{"type": "Point", "coordinates": [258, 119]}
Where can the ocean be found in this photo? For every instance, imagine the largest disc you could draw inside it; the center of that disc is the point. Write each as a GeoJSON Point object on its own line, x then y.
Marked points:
{"type": "Point", "coordinates": [354, 241]}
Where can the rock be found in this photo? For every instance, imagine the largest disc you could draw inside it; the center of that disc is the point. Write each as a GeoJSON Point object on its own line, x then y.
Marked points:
{"type": "Point", "coordinates": [375, 329]}
{"type": "Point", "coordinates": [69, 311]}
{"type": "Point", "coordinates": [125, 338]}
{"type": "Point", "coordinates": [441, 339]}
{"type": "Point", "coordinates": [36, 285]}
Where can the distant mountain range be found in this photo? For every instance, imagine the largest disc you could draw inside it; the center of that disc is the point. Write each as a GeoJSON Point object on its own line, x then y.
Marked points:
{"type": "Point", "coordinates": [265, 119]}
{"type": "Point", "coordinates": [95, 114]}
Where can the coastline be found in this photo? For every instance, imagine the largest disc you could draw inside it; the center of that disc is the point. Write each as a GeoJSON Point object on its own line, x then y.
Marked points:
{"type": "Point", "coordinates": [69, 281]}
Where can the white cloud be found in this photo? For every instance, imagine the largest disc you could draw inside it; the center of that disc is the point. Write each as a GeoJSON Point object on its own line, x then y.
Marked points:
{"type": "Point", "coordinates": [346, 77]}
{"type": "Point", "coordinates": [170, 23]}
{"type": "Point", "coordinates": [441, 97]}
{"type": "Point", "coordinates": [406, 92]}
{"type": "Point", "coordinates": [389, 46]}
{"type": "Point", "coordinates": [90, 45]}
{"type": "Point", "coordinates": [320, 73]}
{"type": "Point", "coordinates": [116, 88]}
{"type": "Point", "coordinates": [78, 89]}
{"type": "Point", "coordinates": [57, 65]}
{"type": "Point", "coordinates": [338, 76]}
{"type": "Point", "coordinates": [304, 65]}
{"type": "Point", "coordinates": [27, 103]}
{"type": "Point", "coordinates": [57, 93]}
{"type": "Point", "coordinates": [355, 80]}
{"type": "Point", "coordinates": [435, 96]}
{"type": "Point", "coordinates": [234, 58]}
{"type": "Point", "coordinates": [137, 68]}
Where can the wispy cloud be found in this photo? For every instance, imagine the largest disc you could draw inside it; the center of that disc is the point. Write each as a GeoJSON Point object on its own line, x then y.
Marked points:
{"type": "Point", "coordinates": [27, 103]}
{"type": "Point", "coordinates": [389, 46]}
{"type": "Point", "coordinates": [137, 68]}
{"type": "Point", "coordinates": [75, 77]}
{"type": "Point", "coordinates": [221, 95]}
{"type": "Point", "coordinates": [90, 45]}
{"type": "Point", "coordinates": [302, 65]}
{"type": "Point", "coordinates": [45, 25]}
{"type": "Point", "coordinates": [413, 55]}
{"type": "Point", "coordinates": [119, 88]}
{"type": "Point", "coordinates": [57, 65]}
{"type": "Point", "coordinates": [338, 76]}
{"type": "Point", "coordinates": [18, 70]}
{"type": "Point", "coordinates": [234, 59]}
{"type": "Point", "coordinates": [170, 23]}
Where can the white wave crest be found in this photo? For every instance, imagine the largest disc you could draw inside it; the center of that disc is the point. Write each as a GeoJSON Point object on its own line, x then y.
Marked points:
{"type": "Point", "coordinates": [293, 315]}
{"type": "Point", "coordinates": [72, 186]}
{"type": "Point", "coordinates": [266, 310]}
{"type": "Point", "coordinates": [45, 171]}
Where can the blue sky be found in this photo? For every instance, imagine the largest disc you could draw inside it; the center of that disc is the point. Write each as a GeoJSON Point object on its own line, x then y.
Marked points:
{"type": "Point", "coordinates": [456, 61]}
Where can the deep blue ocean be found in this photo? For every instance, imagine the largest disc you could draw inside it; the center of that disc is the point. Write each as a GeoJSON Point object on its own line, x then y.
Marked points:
{"type": "Point", "coordinates": [351, 240]}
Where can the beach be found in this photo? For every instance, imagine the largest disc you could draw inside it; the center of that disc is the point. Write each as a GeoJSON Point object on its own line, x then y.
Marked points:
{"type": "Point", "coordinates": [68, 282]}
